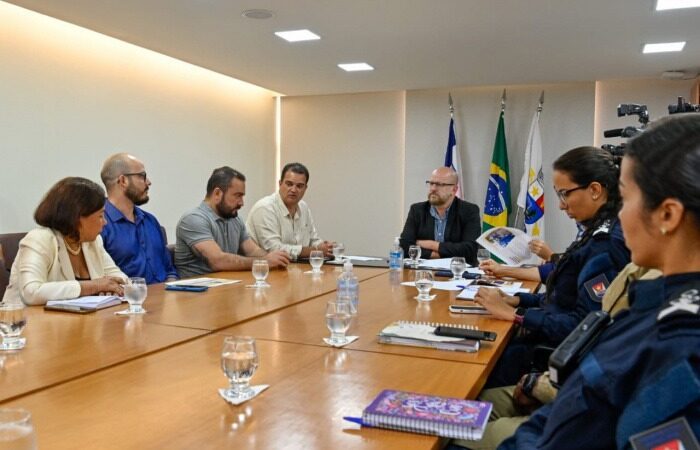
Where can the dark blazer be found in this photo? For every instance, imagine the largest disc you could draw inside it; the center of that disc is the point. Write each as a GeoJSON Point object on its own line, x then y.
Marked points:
{"type": "Point", "coordinates": [463, 227]}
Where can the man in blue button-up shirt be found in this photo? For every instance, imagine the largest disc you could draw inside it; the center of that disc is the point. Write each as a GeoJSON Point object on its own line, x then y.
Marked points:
{"type": "Point", "coordinates": [132, 236]}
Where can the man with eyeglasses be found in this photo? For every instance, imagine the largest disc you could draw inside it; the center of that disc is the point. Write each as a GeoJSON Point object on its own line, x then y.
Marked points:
{"type": "Point", "coordinates": [133, 237]}
{"type": "Point", "coordinates": [283, 221]}
{"type": "Point", "coordinates": [444, 226]}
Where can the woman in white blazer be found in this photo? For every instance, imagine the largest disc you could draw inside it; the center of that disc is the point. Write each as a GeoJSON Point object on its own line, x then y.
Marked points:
{"type": "Point", "coordinates": [64, 257]}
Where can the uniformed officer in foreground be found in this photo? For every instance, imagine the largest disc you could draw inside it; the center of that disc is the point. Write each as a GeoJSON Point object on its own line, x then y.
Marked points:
{"type": "Point", "coordinates": [644, 369]}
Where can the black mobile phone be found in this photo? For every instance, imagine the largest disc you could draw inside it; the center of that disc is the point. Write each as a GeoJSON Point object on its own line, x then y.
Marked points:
{"type": "Point", "coordinates": [465, 333]}
{"type": "Point", "coordinates": [462, 309]}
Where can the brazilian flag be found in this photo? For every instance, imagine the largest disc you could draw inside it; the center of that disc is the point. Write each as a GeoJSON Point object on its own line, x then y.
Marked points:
{"type": "Point", "coordinates": [497, 205]}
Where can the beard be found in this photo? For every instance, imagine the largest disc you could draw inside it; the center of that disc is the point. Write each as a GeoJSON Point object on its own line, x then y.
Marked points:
{"type": "Point", "coordinates": [437, 200]}
{"type": "Point", "coordinates": [224, 211]}
{"type": "Point", "coordinates": [137, 197]}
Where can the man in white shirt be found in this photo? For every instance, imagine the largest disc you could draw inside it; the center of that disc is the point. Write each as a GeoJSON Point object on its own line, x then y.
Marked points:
{"type": "Point", "coordinates": [282, 221]}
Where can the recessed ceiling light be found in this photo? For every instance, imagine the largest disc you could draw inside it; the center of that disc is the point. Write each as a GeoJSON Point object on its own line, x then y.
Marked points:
{"type": "Point", "coordinates": [662, 5]}
{"type": "Point", "coordinates": [297, 35]}
{"type": "Point", "coordinates": [257, 13]}
{"type": "Point", "coordinates": [355, 67]}
{"type": "Point", "coordinates": [663, 47]}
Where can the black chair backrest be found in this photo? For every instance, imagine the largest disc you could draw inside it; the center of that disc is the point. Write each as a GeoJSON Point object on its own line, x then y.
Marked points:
{"type": "Point", "coordinates": [4, 274]}
{"type": "Point", "coordinates": [10, 246]}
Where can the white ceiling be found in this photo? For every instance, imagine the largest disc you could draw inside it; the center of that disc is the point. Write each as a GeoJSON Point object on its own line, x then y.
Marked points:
{"type": "Point", "coordinates": [413, 44]}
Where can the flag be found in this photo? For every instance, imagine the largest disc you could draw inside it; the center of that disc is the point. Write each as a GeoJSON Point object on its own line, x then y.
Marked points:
{"type": "Point", "coordinates": [497, 205]}
{"type": "Point", "coordinates": [531, 197]}
{"type": "Point", "coordinates": [452, 157]}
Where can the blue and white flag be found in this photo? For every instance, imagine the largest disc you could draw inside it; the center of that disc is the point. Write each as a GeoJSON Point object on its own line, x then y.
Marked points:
{"type": "Point", "coordinates": [452, 157]}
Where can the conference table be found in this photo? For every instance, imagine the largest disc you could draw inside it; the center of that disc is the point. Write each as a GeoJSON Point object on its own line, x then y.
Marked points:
{"type": "Point", "coordinates": [115, 382]}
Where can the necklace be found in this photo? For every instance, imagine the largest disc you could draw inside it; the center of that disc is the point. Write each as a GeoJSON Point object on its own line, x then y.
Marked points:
{"type": "Point", "coordinates": [71, 251]}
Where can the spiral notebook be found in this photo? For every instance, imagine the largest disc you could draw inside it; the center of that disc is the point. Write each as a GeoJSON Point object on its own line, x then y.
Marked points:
{"type": "Point", "coordinates": [428, 414]}
{"type": "Point", "coordinates": [422, 334]}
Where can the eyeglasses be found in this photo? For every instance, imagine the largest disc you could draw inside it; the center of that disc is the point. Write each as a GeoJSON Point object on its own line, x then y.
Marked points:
{"type": "Point", "coordinates": [563, 194]}
{"type": "Point", "coordinates": [436, 184]}
{"type": "Point", "coordinates": [140, 174]}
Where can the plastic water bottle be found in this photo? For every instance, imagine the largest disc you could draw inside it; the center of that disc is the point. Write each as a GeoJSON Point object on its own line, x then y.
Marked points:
{"type": "Point", "coordinates": [349, 286]}
{"type": "Point", "coordinates": [396, 256]}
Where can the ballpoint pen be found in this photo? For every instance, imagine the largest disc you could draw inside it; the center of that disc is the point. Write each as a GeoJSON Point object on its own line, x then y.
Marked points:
{"type": "Point", "coordinates": [357, 420]}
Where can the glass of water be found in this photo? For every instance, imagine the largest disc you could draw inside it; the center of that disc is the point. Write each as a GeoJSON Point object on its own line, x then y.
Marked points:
{"type": "Point", "coordinates": [414, 253]}
{"type": "Point", "coordinates": [16, 429]}
{"type": "Point", "coordinates": [457, 266]}
{"type": "Point", "coordinates": [316, 260]}
{"type": "Point", "coordinates": [338, 251]}
{"type": "Point", "coordinates": [424, 283]}
{"type": "Point", "coordinates": [261, 269]}
{"type": "Point", "coordinates": [135, 293]}
{"type": "Point", "coordinates": [239, 361]}
{"type": "Point", "coordinates": [338, 317]}
{"type": "Point", "coordinates": [482, 255]}
{"type": "Point", "coordinates": [12, 323]}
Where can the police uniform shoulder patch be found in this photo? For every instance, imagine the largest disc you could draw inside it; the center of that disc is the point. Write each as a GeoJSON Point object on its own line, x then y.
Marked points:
{"type": "Point", "coordinates": [596, 287]}
{"type": "Point", "coordinates": [687, 303]}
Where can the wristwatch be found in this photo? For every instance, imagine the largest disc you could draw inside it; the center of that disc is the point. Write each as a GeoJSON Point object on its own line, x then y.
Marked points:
{"type": "Point", "coordinates": [519, 315]}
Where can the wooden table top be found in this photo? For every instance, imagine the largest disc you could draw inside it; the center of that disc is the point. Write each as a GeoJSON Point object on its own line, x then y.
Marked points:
{"type": "Point", "coordinates": [169, 400]}
{"type": "Point", "coordinates": [226, 305]}
{"type": "Point", "coordinates": [62, 346]}
{"type": "Point", "coordinates": [382, 300]}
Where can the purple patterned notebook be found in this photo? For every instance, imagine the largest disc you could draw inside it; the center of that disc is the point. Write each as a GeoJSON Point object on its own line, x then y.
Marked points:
{"type": "Point", "coordinates": [428, 414]}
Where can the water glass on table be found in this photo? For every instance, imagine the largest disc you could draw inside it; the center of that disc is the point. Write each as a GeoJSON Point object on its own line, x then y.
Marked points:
{"type": "Point", "coordinates": [338, 251]}
{"type": "Point", "coordinates": [414, 252]}
{"type": "Point", "coordinates": [12, 323]}
{"type": "Point", "coordinates": [338, 317]}
{"type": "Point", "coordinates": [239, 361]}
{"type": "Point", "coordinates": [458, 265]}
{"type": "Point", "coordinates": [261, 269]}
{"type": "Point", "coordinates": [16, 429]}
{"type": "Point", "coordinates": [424, 283]}
{"type": "Point", "coordinates": [316, 261]}
{"type": "Point", "coordinates": [135, 291]}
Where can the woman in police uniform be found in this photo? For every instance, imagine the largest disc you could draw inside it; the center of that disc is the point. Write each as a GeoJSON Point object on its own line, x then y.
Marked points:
{"type": "Point", "coordinates": [644, 369]}
{"type": "Point", "coordinates": [586, 182]}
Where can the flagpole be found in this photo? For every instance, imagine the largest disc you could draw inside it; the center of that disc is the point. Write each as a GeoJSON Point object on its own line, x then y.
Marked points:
{"type": "Point", "coordinates": [503, 101]}
{"type": "Point", "coordinates": [452, 106]}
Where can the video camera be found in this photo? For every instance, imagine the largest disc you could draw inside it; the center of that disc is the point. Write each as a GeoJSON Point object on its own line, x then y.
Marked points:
{"type": "Point", "coordinates": [626, 109]}
{"type": "Point", "coordinates": [682, 107]}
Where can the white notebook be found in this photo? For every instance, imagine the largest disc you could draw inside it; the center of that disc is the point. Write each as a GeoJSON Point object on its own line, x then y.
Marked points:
{"type": "Point", "coordinates": [90, 303]}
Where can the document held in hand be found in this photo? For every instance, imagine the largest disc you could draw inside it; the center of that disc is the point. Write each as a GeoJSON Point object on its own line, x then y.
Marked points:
{"type": "Point", "coordinates": [509, 245]}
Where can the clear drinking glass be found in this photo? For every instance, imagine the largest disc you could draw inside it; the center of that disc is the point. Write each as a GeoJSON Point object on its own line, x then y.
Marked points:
{"type": "Point", "coordinates": [338, 251]}
{"type": "Point", "coordinates": [16, 429]}
{"type": "Point", "coordinates": [135, 293]}
{"type": "Point", "coordinates": [482, 255]}
{"type": "Point", "coordinates": [457, 266]}
{"type": "Point", "coordinates": [261, 270]}
{"type": "Point", "coordinates": [239, 361]}
{"type": "Point", "coordinates": [424, 283]}
{"type": "Point", "coordinates": [338, 317]}
{"type": "Point", "coordinates": [316, 260]}
{"type": "Point", "coordinates": [414, 253]}
{"type": "Point", "coordinates": [12, 323]}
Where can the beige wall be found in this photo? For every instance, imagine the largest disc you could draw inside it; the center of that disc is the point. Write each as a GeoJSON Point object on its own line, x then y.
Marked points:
{"type": "Point", "coordinates": [353, 146]}
{"type": "Point", "coordinates": [70, 97]}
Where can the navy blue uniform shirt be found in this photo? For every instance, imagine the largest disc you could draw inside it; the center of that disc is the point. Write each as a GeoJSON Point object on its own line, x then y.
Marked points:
{"type": "Point", "coordinates": [138, 248]}
{"type": "Point", "coordinates": [643, 371]}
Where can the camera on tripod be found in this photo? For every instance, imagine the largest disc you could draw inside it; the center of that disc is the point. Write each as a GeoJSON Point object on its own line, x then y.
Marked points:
{"type": "Point", "coordinates": [682, 107]}
{"type": "Point", "coordinates": [627, 109]}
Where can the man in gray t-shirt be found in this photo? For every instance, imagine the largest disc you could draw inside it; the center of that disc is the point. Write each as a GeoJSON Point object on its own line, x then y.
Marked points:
{"type": "Point", "coordinates": [212, 238]}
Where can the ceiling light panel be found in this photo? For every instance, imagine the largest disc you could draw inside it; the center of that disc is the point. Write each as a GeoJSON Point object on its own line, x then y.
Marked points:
{"type": "Point", "coordinates": [663, 5]}
{"type": "Point", "coordinates": [663, 47]}
{"type": "Point", "coordinates": [297, 35]}
{"type": "Point", "coordinates": [355, 67]}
